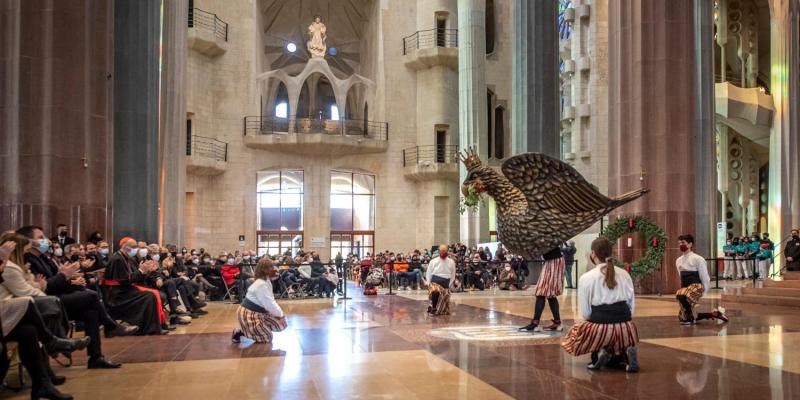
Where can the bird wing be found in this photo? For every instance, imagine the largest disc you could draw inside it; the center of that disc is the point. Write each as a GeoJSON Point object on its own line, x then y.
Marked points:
{"type": "Point", "coordinates": [549, 183]}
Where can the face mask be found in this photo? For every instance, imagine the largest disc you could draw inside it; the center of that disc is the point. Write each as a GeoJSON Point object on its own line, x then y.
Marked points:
{"type": "Point", "coordinates": [205, 260]}
{"type": "Point", "coordinates": [156, 257]}
{"type": "Point", "coordinates": [195, 261]}
{"type": "Point", "coordinates": [62, 233]}
{"type": "Point", "coordinates": [133, 252]}
{"type": "Point", "coordinates": [73, 258]}
{"type": "Point", "coordinates": [104, 252]}
{"type": "Point", "coordinates": [223, 259]}
{"type": "Point", "coordinates": [508, 268]}
{"type": "Point", "coordinates": [230, 261]}
{"type": "Point", "coordinates": [43, 246]}
{"type": "Point", "coordinates": [443, 255]}
{"type": "Point", "coordinates": [59, 253]}
{"type": "Point", "coordinates": [684, 248]}
{"type": "Point", "coordinates": [273, 274]}
{"type": "Point", "coordinates": [246, 257]}
{"type": "Point", "coordinates": [795, 236]}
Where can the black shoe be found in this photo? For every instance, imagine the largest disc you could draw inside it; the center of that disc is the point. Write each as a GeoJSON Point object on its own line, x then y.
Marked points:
{"type": "Point", "coordinates": [58, 380]}
{"type": "Point", "coordinates": [163, 332]}
{"type": "Point", "coordinates": [200, 312]}
{"type": "Point", "coordinates": [602, 359]}
{"type": "Point", "coordinates": [194, 315]}
{"type": "Point", "coordinates": [122, 330]}
{"type": "Point", "coordinates": [533, 326]}
{"type": "Point", "coordinates": [102, 363]}
{"type": "Point", "coordinates": [633, 359]}
{"type": "Point", "coordinates": [58, 345]}
{"type": "Point", "coordinates": [236, 336]}
{"type": "Point", "coordinates": [46, 390]}
{"type": "Point", "coordinates": [199, 304]}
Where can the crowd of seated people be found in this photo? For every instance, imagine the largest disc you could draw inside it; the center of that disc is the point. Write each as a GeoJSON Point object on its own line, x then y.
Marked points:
{"type": "Point", "coordinates": [477, 268]}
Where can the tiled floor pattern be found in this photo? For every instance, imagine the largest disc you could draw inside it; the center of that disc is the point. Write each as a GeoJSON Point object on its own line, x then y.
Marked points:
{"type": "Point", "coordinates": [380, 347]}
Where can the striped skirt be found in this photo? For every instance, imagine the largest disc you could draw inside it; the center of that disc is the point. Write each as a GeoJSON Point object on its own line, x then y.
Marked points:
{"type": "Point", "coordinates": [440, 299]}
{"type": "Point", "coordinates": [551, 280]}
{"type": "Point", "coordinates": [588, 337]}
{"type": "Point", "coordinates": [259, 326]}
{"type": "Point", "coordinates": [693, 294]}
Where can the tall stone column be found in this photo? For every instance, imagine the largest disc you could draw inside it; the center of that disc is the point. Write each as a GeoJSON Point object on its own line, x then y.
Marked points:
{"type": "Point", "coordinates": [651, 133]}
{"type": "Point", "coordinates": [535, 113]}
{"type": "Point", "coordinates": [784, 143]}
{"type": "Point", "coordinates": [137, 26]}
{"type": "Point", "coordinates": [472, 103]}
{"type": "Point", "coordinates": [704, 146]}
{"type": "Point", "coordinates": [55, 114]}
{"type": "Point", "coordinates": [172, 129]}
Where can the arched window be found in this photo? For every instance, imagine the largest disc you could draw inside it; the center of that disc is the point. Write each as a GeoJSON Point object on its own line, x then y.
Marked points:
{"type": "Point", "coordinates": [489, 26]}
{"type": "Point", "coordinates": [282, 110]}
{"type": "Point", "coordinates": [280, 212]}
{"type": "Point", "coordinates": [352, 213]}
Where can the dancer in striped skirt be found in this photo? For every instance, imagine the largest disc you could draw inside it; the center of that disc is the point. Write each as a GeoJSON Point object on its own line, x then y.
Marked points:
{"type": "Point", "coordinates": [605, 302]}
{"type": "Point", "coordinates": [694, 283]}
{"type": "Point", "coordinates": [550, 285]}
{"type": "Point", "coordinates": [440, 275]}
{"type": "Point", "coordinates": [259, 314]}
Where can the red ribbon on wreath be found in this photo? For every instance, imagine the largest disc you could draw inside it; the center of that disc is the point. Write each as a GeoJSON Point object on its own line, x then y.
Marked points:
{"type": "Point", "coordinates": [654, 241]}
{"type": "Point", "coordinates": [630, 223]}
{"type": "Point", "coordinates": [628, 267]}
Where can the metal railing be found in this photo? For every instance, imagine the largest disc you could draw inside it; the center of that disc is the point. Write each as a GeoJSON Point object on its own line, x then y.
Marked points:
{"type": "Point", "coordinates": [254, 125]}
{"type": "Point", "coordinates": [208, 21]}
{"type": "Point", "coordinates": [441, 154]}
{"type": "Point", "coordinates": [430, 38]}
{"type": "Point", "coordinates": [202, 146]}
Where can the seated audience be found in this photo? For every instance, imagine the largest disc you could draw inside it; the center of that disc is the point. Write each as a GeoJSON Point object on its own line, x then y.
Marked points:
{"type": "Point", "coordinates": [66, 282]}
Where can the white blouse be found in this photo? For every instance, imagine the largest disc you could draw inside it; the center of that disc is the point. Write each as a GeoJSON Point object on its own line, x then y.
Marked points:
{"type": "Point", "coordinates": [444, 268]}
{"type": "Point", "coordinates": [691, 261]}
{"type": "Point", "coordinates": [592, 290]}
{"type": "Point", "coordinates": [260, 293]}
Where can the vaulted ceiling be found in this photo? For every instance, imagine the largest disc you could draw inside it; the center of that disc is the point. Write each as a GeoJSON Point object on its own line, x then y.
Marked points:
{"type": "Point", "coordinates": [287, 21]}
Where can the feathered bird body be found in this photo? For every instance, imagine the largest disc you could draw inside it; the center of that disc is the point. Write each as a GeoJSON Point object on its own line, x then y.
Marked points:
{"type": "Point", "coordinates": [541, 202]}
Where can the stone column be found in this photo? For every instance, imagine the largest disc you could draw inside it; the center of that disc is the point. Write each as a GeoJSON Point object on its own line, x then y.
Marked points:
{"type": "Point", "coordinates": [651, 67]}
{"type": "Point", "coordinates": [784, 144]}
{"type": "Point", "coordinates": [55, 114]}
{"type": "Point", "coordinates": [535, 114]}
{"type": "Point", "coordinates": [704, 146]}
{"type": "Point", "coordinates": [172, 135]}
{"type": "Point", "coordinates": [137, 27]}
{"type": "Point", "coordinates": [472, 103]}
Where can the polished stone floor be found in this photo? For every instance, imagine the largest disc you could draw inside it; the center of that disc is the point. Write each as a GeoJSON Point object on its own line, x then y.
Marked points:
{"type": "Point", "coordinates": [387, 347]}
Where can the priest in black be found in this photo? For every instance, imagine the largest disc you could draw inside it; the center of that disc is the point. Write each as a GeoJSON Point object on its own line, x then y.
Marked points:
{"type": "Point", "coordinates": [792, 252]}
{"type": "Point", "coordinates": [126, 298]}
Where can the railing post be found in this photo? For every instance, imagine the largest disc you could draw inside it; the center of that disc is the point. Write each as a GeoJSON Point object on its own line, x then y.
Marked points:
{"type": "Point", "coordinates": [226, 152]}
{"type": "Point", "coordinates": [417, 40]}
{"type": "Point", "coordinates": [404, 157]}
{"type": "Point", "coordinates": [417, 155]}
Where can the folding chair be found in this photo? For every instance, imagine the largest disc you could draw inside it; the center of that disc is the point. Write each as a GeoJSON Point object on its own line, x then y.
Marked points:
{"type": "Point", "coordinates": [229, 292]}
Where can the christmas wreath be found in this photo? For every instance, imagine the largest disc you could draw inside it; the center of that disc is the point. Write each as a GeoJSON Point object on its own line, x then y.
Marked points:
{"type": "Point", "coordinates": [656, 239]}
{"type": "Point", "coordinates": [472, 200]}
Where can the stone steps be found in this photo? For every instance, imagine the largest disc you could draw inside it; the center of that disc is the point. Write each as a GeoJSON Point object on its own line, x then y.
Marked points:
{"type": "Point", "coordinates": [782, 284]}
{"type": "Point", "coordinates": [785, 301]}
{"type": "Point", "coordinates": [779, 291]}
{"type": "Point", "coordinates": [791, 276]}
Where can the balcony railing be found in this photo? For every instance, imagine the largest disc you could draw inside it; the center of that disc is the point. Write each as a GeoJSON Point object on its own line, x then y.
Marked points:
{"type": "Point", "coordinates": [208, 21]}
{"type": "Point", "coordinates": [441, 154]}
{"type": "Point", "coordinates": [202, 146]}
{"type": "Point", "coordinates": [254, 125]}
{"type": "Point", "coordinates": [430, 38]}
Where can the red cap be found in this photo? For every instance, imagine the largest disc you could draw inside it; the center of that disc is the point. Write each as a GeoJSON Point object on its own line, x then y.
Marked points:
{"type": "Point", "coordinates": [124, 240]}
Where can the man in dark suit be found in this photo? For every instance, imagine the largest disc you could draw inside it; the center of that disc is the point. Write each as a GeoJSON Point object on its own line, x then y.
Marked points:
{"type": "Point", "coordinates": [67, 283]}
{"type": "Point", "coordinates": [62, 236]}
{"type": "Point", "coordinates": [792, 252]}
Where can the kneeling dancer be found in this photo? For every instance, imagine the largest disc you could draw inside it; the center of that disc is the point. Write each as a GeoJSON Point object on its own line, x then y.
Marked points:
{"type": "Point", "coordinates": [259, 314]}
{"type": "Point", "coordinates": [694, 283]}
{"type": "Point", "coordinates": [440, 275]}
{"type": "Point", "coordinates": [549, 286]}
{"type": "Point", "coordinates": [605, 302]}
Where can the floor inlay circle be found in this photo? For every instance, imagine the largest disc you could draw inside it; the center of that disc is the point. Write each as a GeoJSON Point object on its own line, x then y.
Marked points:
{"type": "Point", "coordinates": [490, 333]}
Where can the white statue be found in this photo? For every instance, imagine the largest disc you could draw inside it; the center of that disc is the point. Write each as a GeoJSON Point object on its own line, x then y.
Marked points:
{"type": "Point", "coordinates": [316, 34]}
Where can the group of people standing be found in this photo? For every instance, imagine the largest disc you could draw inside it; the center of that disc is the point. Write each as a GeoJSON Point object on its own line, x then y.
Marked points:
{"type": "Point", "coordinates": [746, 256]}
